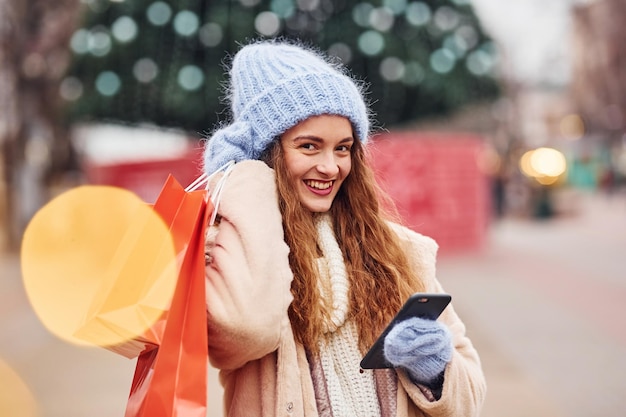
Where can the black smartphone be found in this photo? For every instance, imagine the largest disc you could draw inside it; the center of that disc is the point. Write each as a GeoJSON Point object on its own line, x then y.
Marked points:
{"type": "Point", "coordinates": [428, 306]}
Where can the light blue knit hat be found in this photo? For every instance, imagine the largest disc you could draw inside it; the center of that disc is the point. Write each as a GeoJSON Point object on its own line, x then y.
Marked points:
{"type": "Point", "coordinates": [274, 85]}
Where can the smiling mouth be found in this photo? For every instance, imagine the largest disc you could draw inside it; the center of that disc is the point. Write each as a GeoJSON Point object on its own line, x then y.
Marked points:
{"type": "Point", "coordinates": [319, 185]}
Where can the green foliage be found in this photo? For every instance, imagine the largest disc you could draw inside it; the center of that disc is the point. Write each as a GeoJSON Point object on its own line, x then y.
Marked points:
{"type": "Point", "coordinates": [161, 61]}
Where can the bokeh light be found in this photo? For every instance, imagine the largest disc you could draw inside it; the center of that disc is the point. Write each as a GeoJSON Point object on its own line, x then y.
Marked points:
{"type": "Point", "coordinates": [79, 41]}
{"type": "Point", "coordinates": [267, 23]}
{"type": "Point", "coordinates": [342, 51]}
{"type": "Point", "coordinates": [442, 60]}
{"type": "Point", "coordinates": [145, 70]}
{"type": "Point", "coordinates": [361, 14]}
{"type": "Point", "coordinates": [97, 6]}
{"type": "Point", "coordinates": [468, 34]}
{"type": "Point", "coordinates": [108, 83]}
{"type": "Point", "coordinates": [446, 18]}
{"type": "Point", "coordinates": [283, 8]}
{"type": "Point", "coordinates": [479, 62]}
{"type": "Point", "coordinates": [572, 127]}
{"type": "Point", "coordinates": [381, 19]}
{"type": "Point", "coordinates": [186, 23]}
{"type": "Point", "coordinates": [456, 45]}
{"type": "Point", "coordinates": [99, 41]}
{"type": "Point", "coordinates": [414, 73]}
{"type": "Point", "coordinates": [99, 265]}
{"type": "Point", "coordinates": [211, 34]}
{"type": "Point", "coordinates": [392, 69]}
{"type": "Point", "coordinates": [159, 13]}
{"type": "Point", "coordinates": [124, 29]}
{"type": "Point", "coordinates": [371, 42]}
{"type": "Point", "coordinates": [418, 13]}
{"type": "Point", "coordinates": [396, 6]}
{"type": "Point", "coordinates": [308, 5]}
{"type": "Point", "coordinates": [190, 77]}
{"type": "Point", "coordinates": [16, 399]}
{"type": "Point", "coordinates": [545, 165]}
{"type": "Point", "coordinates": [71, 88]}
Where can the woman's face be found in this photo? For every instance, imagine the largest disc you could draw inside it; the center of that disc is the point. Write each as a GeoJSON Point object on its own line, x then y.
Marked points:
{"type": "Point", "coordinates": [317, 156]}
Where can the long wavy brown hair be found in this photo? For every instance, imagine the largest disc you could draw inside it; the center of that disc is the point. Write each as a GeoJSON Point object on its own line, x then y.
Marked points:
{"type": "Point", "coordinates": [378, 270]}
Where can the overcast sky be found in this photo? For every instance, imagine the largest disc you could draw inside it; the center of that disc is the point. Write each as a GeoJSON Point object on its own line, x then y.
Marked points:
{"type": "Point", "coordinates": [533, 33]}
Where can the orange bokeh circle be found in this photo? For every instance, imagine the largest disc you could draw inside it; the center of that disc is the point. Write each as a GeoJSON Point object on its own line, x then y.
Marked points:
{"type": "Point", "coordinates": [98, 265]}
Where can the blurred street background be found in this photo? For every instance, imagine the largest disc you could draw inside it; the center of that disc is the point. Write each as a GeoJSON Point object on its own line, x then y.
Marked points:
{"type": "Point", "coordinates": [542, 301]}
{"type": "Point", "coordinates": [503, 136]}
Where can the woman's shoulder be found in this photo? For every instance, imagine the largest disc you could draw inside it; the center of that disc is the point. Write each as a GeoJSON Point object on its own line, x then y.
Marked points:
{"type": "Point", "coordinates": [410, 236]}
{"type": "Point", "coordinates": [421, 249]}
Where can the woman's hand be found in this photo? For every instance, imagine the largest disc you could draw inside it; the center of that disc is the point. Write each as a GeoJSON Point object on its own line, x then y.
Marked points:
{"type": "Point", "coordinates": [422, 347]}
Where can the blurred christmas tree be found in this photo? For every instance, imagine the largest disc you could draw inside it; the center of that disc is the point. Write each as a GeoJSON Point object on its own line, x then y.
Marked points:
{"type": "Point", "coordinates": [161, 61]}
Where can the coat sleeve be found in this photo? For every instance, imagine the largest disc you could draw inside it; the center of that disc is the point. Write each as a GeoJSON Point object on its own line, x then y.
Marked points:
{"type": "Point", "coordinates": [464, 386]}
{"type": "Point", "coordinates": [248, 278]}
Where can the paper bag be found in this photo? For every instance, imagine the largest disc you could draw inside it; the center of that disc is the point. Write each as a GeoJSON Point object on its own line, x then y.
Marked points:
{"type": "Point", "coordinates": [171, 380]}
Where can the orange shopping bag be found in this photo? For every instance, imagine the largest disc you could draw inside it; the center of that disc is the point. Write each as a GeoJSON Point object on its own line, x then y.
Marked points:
{"type": "Point", "coordinates": [171, 380]}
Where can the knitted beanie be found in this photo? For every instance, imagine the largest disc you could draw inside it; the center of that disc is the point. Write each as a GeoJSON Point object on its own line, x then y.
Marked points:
{"type": "Point", "coordinates": [274, 85]}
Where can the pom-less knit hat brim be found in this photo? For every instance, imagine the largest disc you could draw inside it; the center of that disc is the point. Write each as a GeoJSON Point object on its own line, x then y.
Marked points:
{"type": "Point", "coordinates": [274, 86]}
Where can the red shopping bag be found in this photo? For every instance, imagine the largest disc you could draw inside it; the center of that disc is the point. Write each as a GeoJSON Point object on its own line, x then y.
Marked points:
{"type": "Point", "coordinates": [171, 380]}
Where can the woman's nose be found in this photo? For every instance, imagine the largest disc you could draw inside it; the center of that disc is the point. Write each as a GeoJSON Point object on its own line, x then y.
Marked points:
{"type": "Point", "coordinates": [327, 164]}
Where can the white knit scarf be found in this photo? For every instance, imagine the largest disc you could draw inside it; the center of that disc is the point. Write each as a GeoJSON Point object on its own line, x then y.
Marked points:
{"type": "Point", "coordinates": [351, 392]}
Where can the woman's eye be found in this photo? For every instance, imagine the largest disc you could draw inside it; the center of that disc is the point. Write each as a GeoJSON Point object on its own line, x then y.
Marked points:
{"type": "Point", "coordinates": [308, 146]}
{"type": "Point", "coordinates": [343, 148]}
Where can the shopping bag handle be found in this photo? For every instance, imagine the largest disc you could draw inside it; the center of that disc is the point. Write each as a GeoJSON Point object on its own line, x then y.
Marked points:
{"type": "Point", "coordinates": [215, 194]}
{"type": "Point", "coordinates": [205, 178]}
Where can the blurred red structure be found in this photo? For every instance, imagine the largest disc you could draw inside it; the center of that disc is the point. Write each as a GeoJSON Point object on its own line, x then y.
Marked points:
{"type": "Point", "coordinates": [437, 184]}
{"type": "Point", "coordinates": [435, 180]}
{"type": "Point", "coordinates": [145, 177]}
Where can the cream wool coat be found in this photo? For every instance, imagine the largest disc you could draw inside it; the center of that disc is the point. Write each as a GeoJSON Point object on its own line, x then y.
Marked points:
{"type": "Point", "coordinates": [263, 370]}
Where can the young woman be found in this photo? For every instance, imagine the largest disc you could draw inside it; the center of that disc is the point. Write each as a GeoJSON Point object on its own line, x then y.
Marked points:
{"type": "Point", "coordinates": [305, 268]}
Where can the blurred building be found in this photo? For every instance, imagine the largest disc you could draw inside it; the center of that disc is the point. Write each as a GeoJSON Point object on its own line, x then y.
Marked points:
{"type": "Point", "coordinates": [599, 56]}
{"type": "Point", "coordinates": [583, 115]}
{"type": "Point", "coordinates": [598, 88]}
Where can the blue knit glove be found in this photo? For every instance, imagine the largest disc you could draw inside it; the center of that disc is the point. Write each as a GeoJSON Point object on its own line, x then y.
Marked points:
{"type": "Point", "coordinates": [422, 347]}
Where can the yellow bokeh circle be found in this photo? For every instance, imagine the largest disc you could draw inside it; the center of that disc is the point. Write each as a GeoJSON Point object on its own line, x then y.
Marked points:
{"type": "Point", "coordinates": [99, 265]}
